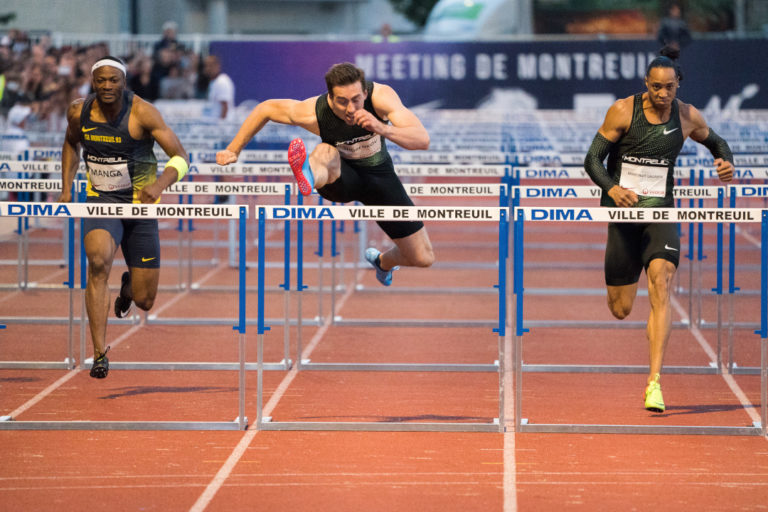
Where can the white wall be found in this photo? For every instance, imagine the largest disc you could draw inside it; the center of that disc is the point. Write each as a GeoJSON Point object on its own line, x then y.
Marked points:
{"type": "Point", "coordinates": [91, 16]}
{"type": "Point", "coordinates": [343, 17]}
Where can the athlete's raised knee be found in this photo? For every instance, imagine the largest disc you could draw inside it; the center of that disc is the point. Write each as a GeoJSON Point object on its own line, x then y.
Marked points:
{"type": "Point", "coordinates": [423, 258]}
{"type": "Point", "coordinates": [426, 259]}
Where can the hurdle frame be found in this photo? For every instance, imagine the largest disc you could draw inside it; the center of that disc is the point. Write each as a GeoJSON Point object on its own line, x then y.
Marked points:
{"type": "Point", "coordinates": [267, 423]}
{"type": "Point", "coordinates": [600, 214]}
{"type": "Point", "coordinates": [75, 210]}
{"type": "Point", "coordinates": [591, 191]}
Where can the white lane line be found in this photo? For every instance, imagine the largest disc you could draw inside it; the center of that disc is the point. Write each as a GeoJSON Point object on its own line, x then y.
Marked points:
{"type": "Point", "coordinates": [729, 380]}
{"type": "Point", "coordinates": [510, 462]}
{"type": "Point", "coordinates": [61, 381]}
{"type": "Point", "coordinates": [226, 469]}
{"type": "Point", "coordinates": [732, 384]}
{"type": "Point", "coordinates": [65, 378]}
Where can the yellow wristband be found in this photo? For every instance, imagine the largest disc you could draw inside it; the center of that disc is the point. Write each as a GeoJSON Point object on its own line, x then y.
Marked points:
{"type": "Point", "coordinates": [180, 165]}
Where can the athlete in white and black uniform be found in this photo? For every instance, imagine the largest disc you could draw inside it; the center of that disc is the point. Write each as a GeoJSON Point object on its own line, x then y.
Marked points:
{"type": "Point", "coordinates": [642, 136]}
{"type": "Point", "coordinates": [354, 120]}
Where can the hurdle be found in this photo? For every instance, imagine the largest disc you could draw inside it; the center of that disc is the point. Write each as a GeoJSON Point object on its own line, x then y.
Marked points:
{"type": "Point", "coordinates": [316, 213]}
{"type": "Point", "coordinates": [692, 192]}
{"type": "Point", "coordinates": [709, 215]}
{"type": "Point", "coordinates": [734, 192]}
{"type": "Point", "coordinates": [78, 210]}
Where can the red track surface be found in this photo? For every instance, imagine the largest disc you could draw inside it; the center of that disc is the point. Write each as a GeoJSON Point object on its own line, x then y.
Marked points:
{"type": "Point", "coordinates": [251, 470]}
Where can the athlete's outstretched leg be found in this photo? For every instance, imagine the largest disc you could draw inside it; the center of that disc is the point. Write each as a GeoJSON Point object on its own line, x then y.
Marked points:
{"type": "Point", "coordinates": [414, 250]}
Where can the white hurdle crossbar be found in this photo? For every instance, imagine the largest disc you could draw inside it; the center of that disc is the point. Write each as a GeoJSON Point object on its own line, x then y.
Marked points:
{"type": "Point", "coordinates": [708, 215]}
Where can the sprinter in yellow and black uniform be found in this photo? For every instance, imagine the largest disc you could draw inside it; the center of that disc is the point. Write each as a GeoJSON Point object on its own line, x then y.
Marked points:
{"type": "Point", "coordinates": [117, 131]}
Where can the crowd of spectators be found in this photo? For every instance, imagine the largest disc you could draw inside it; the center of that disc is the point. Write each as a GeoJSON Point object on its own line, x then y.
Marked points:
{"type": "Point", "coordinates": [41, 80]}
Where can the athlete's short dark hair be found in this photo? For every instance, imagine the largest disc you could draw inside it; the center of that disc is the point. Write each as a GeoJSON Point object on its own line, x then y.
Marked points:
{"type": "Point", "coordinates": [667, 59]}
{"type": "Point", "coordinates": [344, 73]}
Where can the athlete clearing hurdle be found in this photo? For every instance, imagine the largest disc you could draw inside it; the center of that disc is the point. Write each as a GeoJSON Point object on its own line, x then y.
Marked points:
{"type": "Point", "coordinates": [117, 131]}
{"type": "Point", "coordinates": [642, 136]}
{"type": "Point", "coordinates": [354, 119]}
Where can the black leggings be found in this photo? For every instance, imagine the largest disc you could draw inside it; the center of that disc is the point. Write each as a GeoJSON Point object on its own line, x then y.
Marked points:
{"type": "Point", "coordinates": [631, 247]}
{"type": "Point", "coordinates": [373, 186]}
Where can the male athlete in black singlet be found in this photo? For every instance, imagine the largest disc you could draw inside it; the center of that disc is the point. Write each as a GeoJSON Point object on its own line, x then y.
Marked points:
{"type": "Point", "coordinates": [117, 131]}
{"type": "Point", "coordinates": [354, 119]}
{"type": "Point", "coordinates": [642, 136]}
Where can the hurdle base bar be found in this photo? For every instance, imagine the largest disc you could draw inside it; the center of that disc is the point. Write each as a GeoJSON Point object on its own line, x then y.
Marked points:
{"type": "Point", "coordinates": [10, 424]}
{"type": "Point", "coordinates": [744, 370]}
{"type": "Point", "coordinates": [752, 326]}
{"type": "Point", "coordinates": [307, 364]}
{"type": "Point", "coordinates": [34, 286]}
{"type": "Point", "coordinates": [67, 364]}
{"type": "Point", "coordinates": [603, 368]}
{"type": "Point", "coordinates": [152, 319]}
{"type": "Point", "coordinates": [368, 426]}
{"type": "Point", "coordinates": [562, 428]}
{"type": "Point", "coordinates": [129, 365]}
{"type": "Point", "coordinates": [402, 322]}
{"type": "Point", "coordinates": [589, 324]}
{"type": "Point", "coordinates": [62, 320]}
{"type": "Point", "coordinates": [413, 290]}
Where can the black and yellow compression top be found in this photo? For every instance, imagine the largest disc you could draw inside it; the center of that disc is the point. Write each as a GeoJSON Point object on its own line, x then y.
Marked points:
{"type": "Point", "coordinates": [118, 165]}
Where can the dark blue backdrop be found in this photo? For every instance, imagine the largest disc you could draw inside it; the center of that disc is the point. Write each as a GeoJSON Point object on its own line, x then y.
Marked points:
{"type": "Point", "coordinates": [461, 75]}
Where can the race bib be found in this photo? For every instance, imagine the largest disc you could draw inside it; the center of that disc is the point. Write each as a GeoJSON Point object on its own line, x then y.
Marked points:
{"type": "Point", "coordinates": [362, 147]}
{"type": "Point", "coordinates": [109, 177]}
{"type": "Point", "coordinates": [644, 180]}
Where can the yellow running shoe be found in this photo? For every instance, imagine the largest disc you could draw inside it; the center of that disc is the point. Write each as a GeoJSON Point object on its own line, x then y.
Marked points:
{"type": "Point", "coordinates": [654, 401]}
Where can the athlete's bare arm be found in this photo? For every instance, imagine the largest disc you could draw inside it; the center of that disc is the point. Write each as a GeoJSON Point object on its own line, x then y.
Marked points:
{"type": "Point", "coordinates": [616, 123]}
{"type": "Point", "coordinates": [695, 127]}
{"type": "Point", "coordinates": [70, 151]}
{"type": "Point", "coordinates": [152, 123]}
{"type": "Point", "coordinates": [406, 129]}
{"type": "Point", "coordinates": [293, 112]}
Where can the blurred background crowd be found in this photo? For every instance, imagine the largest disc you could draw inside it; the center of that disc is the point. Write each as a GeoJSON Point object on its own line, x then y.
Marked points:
{"type": "Point", "coordinates": [38, 81]}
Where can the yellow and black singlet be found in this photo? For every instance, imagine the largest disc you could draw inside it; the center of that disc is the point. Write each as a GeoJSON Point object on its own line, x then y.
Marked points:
{"type": "Point", "coordinates": [118, 165]}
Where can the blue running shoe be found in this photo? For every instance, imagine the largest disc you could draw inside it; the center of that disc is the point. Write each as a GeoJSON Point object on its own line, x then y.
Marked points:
{"type": "Point", "coordinates": [297, 159]}
{"type": "Point", "coordinates": [384, 276]}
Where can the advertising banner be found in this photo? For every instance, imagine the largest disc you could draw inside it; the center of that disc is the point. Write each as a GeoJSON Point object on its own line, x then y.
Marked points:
{"type": "Point", "coordinates": [546, 75]}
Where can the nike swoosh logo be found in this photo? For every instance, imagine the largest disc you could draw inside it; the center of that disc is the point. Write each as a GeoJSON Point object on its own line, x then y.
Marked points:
{"type": "Point", "coordinates": [667, 132]}
{"type": "Point", "coordinates": [144, 260]}
{"type": "Point", "coordinates": [89, 129]}
{"type": "Point", "coordinates": [669, 248]}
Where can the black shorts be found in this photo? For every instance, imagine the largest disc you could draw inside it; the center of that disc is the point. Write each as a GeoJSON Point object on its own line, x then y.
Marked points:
{"type": "Point", "coordinates": [631, 247]}
{"type": "Point", "coordinates": [139, 238]}
{"type": "Point", "coordinates": [373, 186]}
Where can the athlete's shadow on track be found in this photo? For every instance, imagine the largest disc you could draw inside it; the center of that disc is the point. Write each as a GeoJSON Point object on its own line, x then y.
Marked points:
{"type": "Point", "coordinates": [680, 410]}
{"type": "Point", "coordinates": [151, 390]}
{"type": "Point", "coordinates": [20, 379]}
